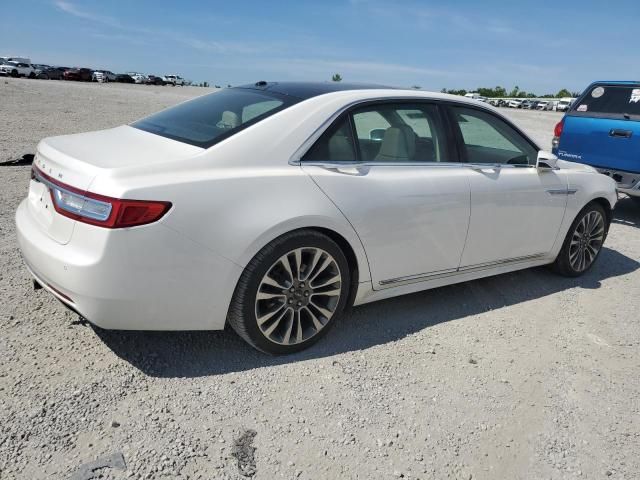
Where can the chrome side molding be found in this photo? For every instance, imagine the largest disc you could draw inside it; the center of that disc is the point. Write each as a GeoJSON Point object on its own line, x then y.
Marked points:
{"type": "Point", "coordinates": [421, 277]}
{"type": "Point", "coordinates": [562, 191]}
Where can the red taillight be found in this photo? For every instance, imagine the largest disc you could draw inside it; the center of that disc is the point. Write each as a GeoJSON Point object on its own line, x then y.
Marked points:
{"type": "Point", "coordinates": [557, 131]}
{"type": "Point", "coordinates": [100, 210]}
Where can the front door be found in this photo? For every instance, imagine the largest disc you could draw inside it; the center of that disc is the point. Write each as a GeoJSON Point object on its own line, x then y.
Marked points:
{"type": "Point", "coordinates": [389, 170]}
{"type": "Point", "coordinates": [516, 209]}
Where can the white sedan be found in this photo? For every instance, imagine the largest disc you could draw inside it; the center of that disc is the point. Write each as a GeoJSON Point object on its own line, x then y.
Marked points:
{"type": "Point", "coordinates": [273, 207]}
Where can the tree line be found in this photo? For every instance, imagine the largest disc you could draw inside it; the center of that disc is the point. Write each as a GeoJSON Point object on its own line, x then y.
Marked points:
{"type": "Point", "coordinates": [501, 92]}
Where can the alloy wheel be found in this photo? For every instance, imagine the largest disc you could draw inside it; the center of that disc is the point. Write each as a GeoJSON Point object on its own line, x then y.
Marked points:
{"type": "Point", "coordinates": [586, 241]}
{"type": "Point", "coordinates": [298, 295]}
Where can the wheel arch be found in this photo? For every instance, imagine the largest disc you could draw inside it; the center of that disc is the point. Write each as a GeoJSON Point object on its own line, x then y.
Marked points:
{"type": "Point", "coordinates": [347, 240]}
{"type": "Point", "coordinates": [352, 260]}
{"type": "Point", "coordinates": [606, 206]}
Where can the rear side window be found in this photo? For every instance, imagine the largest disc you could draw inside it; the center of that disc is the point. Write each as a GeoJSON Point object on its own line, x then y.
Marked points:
{"type": "Point", "coordinates": [614, 101]}
{"type": "Point", "coordinates": [384, 133]}
{"type": "Point", "coordinates": [335, 145]}
{"type": "Point", "coordinates": [211, 118]}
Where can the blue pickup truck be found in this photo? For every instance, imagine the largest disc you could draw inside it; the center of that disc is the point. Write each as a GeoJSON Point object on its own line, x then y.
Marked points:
{"type": "Point", "coordinates": [602, 129]}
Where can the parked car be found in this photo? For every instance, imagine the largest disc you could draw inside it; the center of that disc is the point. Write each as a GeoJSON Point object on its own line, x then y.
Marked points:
{"type": "Point", "coordinates": [553, 105]}
{"type": "Point", "coordinates": [103, 76]}
{"type": "Point", "coordinates": [51, 73]}
{"type": "Point", "coordinates": [563, 105]}
{"type": "Point", "coordinates": [39, 67]}
{"type": "Point", "coordinates": [124, 78]}
{"type": "Point", "coordinates": [515, 103]}
{"type": "Point", "coordinates": [18, 69]}
{"type": "Point", "coordinates": [138, 77]}
{"type": "Point", "coordinates": [602, 129]}
{"type": "Point", "coordinates": [349, 206]}
{"type": "Point", "coordinates": [173, 80]}
{"type": "Point", "coordinates": [526, 104]}
{"type": "Point", "coordinates": [154, 80]}
{"type": "Point", "coordinates": [542, 105]}
{"type": "Point", "coordinates": [78, 74]}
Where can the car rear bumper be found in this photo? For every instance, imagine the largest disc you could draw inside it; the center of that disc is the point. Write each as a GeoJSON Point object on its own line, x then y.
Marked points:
{"type": "Point", "coordinates": [626, 182]}
{"type": "Point", "coordinates": [143, 278]}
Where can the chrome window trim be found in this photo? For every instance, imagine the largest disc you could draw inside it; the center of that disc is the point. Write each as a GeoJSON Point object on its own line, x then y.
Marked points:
{"type": "Point", "coordinates": [336, 164]}
{"type": "Point", "coordinates": [296, 157]}
{"type": "Point", "coordinates": [472, 166]}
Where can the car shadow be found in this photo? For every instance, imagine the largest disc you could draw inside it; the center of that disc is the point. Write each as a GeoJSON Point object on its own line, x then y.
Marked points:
{"type": "Point", "coordinates": [627, 212]}
{"type": "Point", "coordinates": [197, 354]}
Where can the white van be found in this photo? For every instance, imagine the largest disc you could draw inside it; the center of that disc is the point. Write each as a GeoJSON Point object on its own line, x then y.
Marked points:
{"type": "Point", "coordinates": [564, 104]}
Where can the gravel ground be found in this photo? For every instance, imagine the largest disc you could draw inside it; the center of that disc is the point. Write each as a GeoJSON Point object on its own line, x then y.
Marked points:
{"type": "Point", "coordinates": [521, 376]}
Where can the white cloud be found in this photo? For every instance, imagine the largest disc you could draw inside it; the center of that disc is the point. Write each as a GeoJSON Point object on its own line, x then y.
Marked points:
{"type": "Point", "coordinates": [72, 9]}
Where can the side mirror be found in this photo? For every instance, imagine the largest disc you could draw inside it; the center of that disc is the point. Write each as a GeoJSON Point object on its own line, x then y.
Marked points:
{"type": "Point", "coordinates": [377, 134]}
{"type": "Point", "coordinates": [546, 161]}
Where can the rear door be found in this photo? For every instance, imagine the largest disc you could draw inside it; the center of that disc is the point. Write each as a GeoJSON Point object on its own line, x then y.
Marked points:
{"type": "Point", "coordinates": [602, 128]}
{"type": "Point", "coordinates": [390, 169]}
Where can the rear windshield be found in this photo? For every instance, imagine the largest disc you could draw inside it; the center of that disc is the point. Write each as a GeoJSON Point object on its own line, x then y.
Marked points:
{"type": "Point", "coordinates": [614, 101]}
{"type": "Point", "coordinates": [209, 119]}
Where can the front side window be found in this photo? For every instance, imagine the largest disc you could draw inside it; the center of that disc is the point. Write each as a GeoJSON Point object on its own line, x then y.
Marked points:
{"type": "Point", "coordinates": [211, 118]}
{"type": "Point", "coordinates": [385, 132]}
{"type": "Point", "coordinates": [488, 139]}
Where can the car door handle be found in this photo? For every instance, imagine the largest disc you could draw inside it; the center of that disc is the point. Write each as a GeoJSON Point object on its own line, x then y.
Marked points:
{"type": "Point", "coordinates": [617, 132]}
{"type": "Point", "coordinates": [480, 167]}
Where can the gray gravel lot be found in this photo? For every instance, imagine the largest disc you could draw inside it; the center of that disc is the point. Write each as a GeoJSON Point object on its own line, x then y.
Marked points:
{"type": "Point", "coordinates": [522, 376]}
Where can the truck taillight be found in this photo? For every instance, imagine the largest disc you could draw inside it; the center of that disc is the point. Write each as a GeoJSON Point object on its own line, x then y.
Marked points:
{"type": "Point", "coordinates": [557, 131]}
{"type": "Point", "coordinates": [100, 210]}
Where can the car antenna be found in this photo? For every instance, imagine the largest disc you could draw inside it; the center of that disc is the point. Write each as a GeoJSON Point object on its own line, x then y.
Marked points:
{"type": "Point", "coordinates": [261, 83]}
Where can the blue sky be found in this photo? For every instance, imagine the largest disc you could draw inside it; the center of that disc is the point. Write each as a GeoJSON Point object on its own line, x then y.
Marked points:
{"type": "Point", "coordinates": [539, 46]}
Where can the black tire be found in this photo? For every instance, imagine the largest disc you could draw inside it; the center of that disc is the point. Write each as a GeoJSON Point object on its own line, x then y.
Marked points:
{"type": "Point", "coordinates": [15, 74]}
{"type": "Point", "coordinates": [562, 264]}
{"type": "Point", "coordinates": [242, 311]}
{"type": "Point", "coordinates": [32, 75]}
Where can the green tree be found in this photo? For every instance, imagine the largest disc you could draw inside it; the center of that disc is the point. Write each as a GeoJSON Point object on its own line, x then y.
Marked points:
{"type": "Point", "coordinates": [563, 93]}
{"type": "Point", "coordinates": [336, 77]}
{"type": "Point", "coordinates": [492, 92]}
{"type": "Point", "coordinates": [515, 91]}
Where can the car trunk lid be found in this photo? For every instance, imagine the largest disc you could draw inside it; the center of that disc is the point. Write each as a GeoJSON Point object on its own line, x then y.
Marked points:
{"type": "Point", "coordinates": [76, 160]}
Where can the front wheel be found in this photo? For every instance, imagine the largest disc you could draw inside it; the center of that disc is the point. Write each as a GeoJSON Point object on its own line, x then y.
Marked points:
{"type": "Point", "coordinates": [291, 293]}
{"type": "Point", "coordinates": [583, 242]}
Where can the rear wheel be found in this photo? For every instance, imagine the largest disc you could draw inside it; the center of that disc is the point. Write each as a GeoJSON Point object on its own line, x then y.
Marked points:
{"type": "Point", "coordinates": [583, 242]}
{"type": "Point", "coordinates": [291, 293]}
